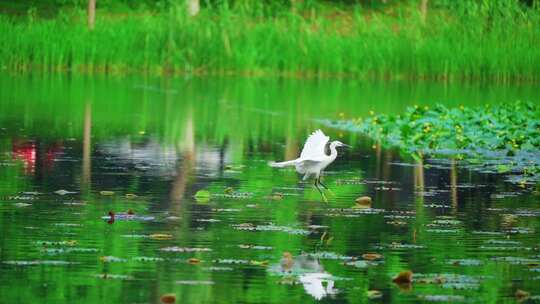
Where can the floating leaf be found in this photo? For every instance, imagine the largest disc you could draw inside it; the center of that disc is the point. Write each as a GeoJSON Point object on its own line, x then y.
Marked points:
{"type": "Point", "coordinates": [364, 200]}
{"type": "Point", "coordinates": [168, 298]}
{"type": "Point", "coordinates": [371, 256]}
{"type": "Point", "coordinates": [106, 193]}
{"type": "Point", "coordinates": [161, 236]}
{"type": "Point", "coordinates": [374, 294]}
{"type": "Point", "coordinates": [21, 205]}
{"type": "Point", "coordinates": [107, 276]}
{"type": "Point", "coordinates": [258, 263]}
{"type": "Point", "coordinates": [404, 277]}
{"type": "Point", "coordinates": [57, 243]}
{"type": "Point", "coordinates": [521, 295]}
{"type": "Point", "coordinates": [148, 259]}
{"type": "Point", "coordinates": [112, 259]}
{"type": "Point", "coordinates": [251, 227]}
{"type": "Point", "coordinates": [465, 262]}
{"type": "Point", "coordinates": [63, 192]}
{"type": "Point", "coordinates": [39, 262]}
{"type": "Point", "coordinates": [502, 168]}
{"type": "Point", "coordinates": [358, 264]}
{"type": "Point", "coordinates": [202, 196]}
{"type": "Point", "coordinates": [193, 282]}
{"type": "Point", "coordinates": [185, 249]}
{"type": "Point", "coordinates": [442, 298]}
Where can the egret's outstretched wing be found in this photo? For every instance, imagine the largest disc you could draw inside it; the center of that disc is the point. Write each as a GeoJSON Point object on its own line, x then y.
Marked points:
{"type": "Point", "coordinates": [314, 146]}
{"type": "Point", "coordinates": [304, 165]}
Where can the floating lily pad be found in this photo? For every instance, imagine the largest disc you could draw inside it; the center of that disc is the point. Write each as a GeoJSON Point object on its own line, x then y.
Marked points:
{"type": "Point", "coordinates": [327, 255]}
{"type": "Point", "coordinates": [112, 259]}
{"type": "Point", "coordinates": [451, 281]}
{"type": "Point", "coordinates": [230, 261]}
{"type": "Point", "coordinates": [168, 298]}
{"type": "Point", "coordinates": [63, 192]}
{"type": "Point", "coordinates": [161, 236]}
{"type": "Point", "coordinates": [107, 276]}
{"type": "Point", "coordinates": [516, 260]}
{"type": "Point", "coordinates": [193, 282]}
{"type": "Point", "coordinates": [358, 264]}
{"type": "Point", "coordinates": [374, 294]}
{"type": "Point", "coordinates": [254, 247]}
{"type": "Point", "coordinates": [372, 256]}
{"type": "Point", "coordinates": [40, 262]}
{"type": "Point", "coordinates": [285, 229]}
{"type": "Point", "coordinates": [185, 249]}
{"type": "Point", "coordinates": [202, 196]}
{"type": "Point", "coordinates": [22, 205]}
{"type": "Point", "coordinates": [148, 259]}
{"type": "Point", "coordinates": [57, 251]}
{"type": "Point", "coordinates": [442, 298]}
{"type": "Point", "coordinates": [218, 268]}
{"type": "Point", "coordinates": [465, 262]}
{"type": "Point", "coordinates": [57, 243]}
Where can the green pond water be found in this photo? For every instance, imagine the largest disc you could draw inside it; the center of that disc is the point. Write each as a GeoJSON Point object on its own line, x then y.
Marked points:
{"type": "Point", "coordinates": [153, 143]}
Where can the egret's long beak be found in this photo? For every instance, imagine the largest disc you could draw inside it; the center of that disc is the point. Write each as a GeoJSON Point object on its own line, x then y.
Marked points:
{"type": "Point", "coordinates": [344, 145]}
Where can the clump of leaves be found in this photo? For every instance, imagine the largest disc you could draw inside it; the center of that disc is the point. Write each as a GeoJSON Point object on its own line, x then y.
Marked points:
{"type": "Point", "coordinates": [505, 137]}
{"type": "Point", "coordinates": [510, 127]}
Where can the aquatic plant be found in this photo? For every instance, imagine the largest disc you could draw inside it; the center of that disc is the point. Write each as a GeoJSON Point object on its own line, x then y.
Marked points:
{"type": "Point", "coordinates": [499, 138]}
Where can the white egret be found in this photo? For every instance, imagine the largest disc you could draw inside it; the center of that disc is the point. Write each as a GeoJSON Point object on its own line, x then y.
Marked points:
{"type": "Point", "coordinates": [313, 158]}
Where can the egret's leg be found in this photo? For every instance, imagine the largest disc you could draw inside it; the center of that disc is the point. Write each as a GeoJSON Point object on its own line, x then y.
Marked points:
{"type": "Point", "coordinates": [328, 189]}
{"type": "Point", "coordinates": [320, 191]}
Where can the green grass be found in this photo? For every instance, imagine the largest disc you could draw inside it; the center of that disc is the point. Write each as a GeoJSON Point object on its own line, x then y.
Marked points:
{"type": "Point", "coordinates": [496, 41]}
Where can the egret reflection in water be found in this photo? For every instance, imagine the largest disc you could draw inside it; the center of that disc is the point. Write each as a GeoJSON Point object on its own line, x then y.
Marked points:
{"type": "Point", "coordinates": [309, 271]}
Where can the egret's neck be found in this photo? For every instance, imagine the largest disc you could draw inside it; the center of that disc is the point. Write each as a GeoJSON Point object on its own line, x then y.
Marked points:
{"type": "Point", "coordinates": [333, 151]}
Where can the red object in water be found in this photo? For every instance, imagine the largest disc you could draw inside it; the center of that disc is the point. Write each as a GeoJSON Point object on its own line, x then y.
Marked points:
{"type": "Point", "coordinates": [26, 152]}
{"type": "Point", "coordinates": [111, 220]}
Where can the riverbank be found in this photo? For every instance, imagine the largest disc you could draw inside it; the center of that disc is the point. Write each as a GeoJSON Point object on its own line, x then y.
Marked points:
{"type": "Point", "coordinates": [497, 42]}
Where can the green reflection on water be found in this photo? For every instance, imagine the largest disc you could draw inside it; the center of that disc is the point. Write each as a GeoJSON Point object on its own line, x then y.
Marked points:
{"type": "Point", "coordinates": [165, 139]}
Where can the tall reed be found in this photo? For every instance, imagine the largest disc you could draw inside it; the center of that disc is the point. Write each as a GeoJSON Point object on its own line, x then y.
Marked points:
{"type": "Point", "coordinates": [498, 40]}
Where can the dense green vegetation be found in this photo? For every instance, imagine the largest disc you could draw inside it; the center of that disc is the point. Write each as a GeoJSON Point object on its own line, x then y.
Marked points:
{"type": "Point", "coordinates": [464, 39]}
{"type": "Point", "coordinates": [499, 138]}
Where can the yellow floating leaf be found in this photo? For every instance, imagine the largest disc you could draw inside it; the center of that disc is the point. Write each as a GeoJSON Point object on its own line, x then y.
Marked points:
{"type": "Point", "coordinates": [371, 256]}
{"type": "Point", "coordinates": [258, 263]}
{"type": "Point", "coordinates": [364, 200]}
{"type": "Point", "coordinates": [161, 236]}
{"type": "Point", "coordinates": [374, 294]}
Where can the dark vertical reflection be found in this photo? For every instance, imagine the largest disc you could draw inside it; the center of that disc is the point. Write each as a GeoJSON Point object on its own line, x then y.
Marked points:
{"type": "Point", "coordinates": [291, 146]}
{"type": "Point", "coordinates": [419, 176]}
{"type": "Point", "coordinates": [453, 184]}
{"type": "Point", "coordinates": [378, 157]}
{"type": "Point", "coordinates": [186, 147]}
{"type": "Point", "coordinates": [419, 188]}
{"type": "Point", "coordinates": [386, 170]}
{"type": "Point", "coordinates": [87, 134]}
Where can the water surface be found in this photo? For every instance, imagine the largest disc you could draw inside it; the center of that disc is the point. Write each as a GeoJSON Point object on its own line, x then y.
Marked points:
{"type": "Point", "coordinates": [73, 149]}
